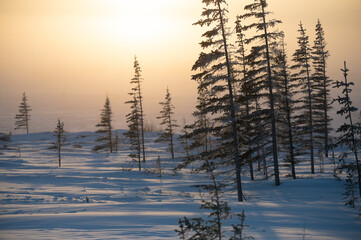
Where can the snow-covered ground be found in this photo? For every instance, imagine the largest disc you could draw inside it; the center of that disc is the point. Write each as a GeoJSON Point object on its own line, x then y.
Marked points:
{"type": "Point", "coordinates": [41, 201]}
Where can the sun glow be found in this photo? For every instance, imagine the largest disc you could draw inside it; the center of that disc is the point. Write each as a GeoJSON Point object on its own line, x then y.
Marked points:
{"type": "Point", "coordinates": [139, 21]}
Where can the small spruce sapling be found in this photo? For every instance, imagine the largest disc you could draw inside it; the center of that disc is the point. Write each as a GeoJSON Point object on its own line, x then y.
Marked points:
{"type": "Point", "coordinates": [105, 128]}
{"type": "Point", "coordinates": [166, 116]}
{"type": "Point", "coordinates": [212, 227]}
{"type": "Point", "coordinates": [60, 139]}
{"type": "Point", "coordinates": [22, 119]}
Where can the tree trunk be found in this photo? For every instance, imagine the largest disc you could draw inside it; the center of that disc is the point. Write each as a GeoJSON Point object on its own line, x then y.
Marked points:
{"type": "Point", "coordinates": [26, 121]}
{"type": "Point", "coordinates": [141, 119]}
{"type": "Point", "coordinates": [289, 123]}
{"type": "Point", "coordinates": [271, 99]}
{"type": "Point", "coordinates": [233, 117]}
{"type": "Point", "coordinates": [309, 89]}
{"type": "Point", "coordinates": [325, 105]}
{"type": "Point", "coordinates": [171, 135]}
{"type": "Point", "coordinates": [59, 149]}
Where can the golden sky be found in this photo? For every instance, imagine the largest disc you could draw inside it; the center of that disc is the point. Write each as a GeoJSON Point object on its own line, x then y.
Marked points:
{"type": "Point", "coordinates": [68, 55]}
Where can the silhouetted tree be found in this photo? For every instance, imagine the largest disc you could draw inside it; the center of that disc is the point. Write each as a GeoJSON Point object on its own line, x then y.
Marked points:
{"type": "Point", "coordinates": [219, 212]}
{"type": "Point", "coordinates": [134, 132]}
{"type": "Point", "coordinates": [105, 128]}
{"type": "Point", "coordinates": [22, 119]}
{"type": "Point", "coordinates": [137, 92]}
{"type": "Point", "coordinates": [116, 142]}
{"type": "Point", "coordinates": [322, 85]}
{"type": "Point", "coordinates": [261, 58]}
{"type": "Point", "coordinates": [60, 138]}
{"type": "Point", "coordinates": [302, 58]}
{"type": "Point", "coordinates": [166, 115]}
{"type": "Point", "coordinates": [288, 87]}
{"type": "Point", "coordinates": [348, 135]}
{"type": "Point", "coordinates": [216, 79]}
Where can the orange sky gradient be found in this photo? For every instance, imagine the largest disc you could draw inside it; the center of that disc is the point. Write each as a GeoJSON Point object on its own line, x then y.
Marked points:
{"type": "Point", "coordinates": [68, 55]}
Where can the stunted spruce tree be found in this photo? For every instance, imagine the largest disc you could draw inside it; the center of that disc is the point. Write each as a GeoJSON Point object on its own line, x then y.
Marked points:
{"type": "Point", "coordinates": [137, 92]}
{"type": "Point", "coordinates": [212, 228]}
{"type": "Point", "coordinates": [105, 129]}
{"type": "Point", "coordinates": [60, 139]}
{"type": "Point", "coordinates": [348, 135]}
{"type": "Point", "coordinates": [134, 132]}
{"type": "Point", "coordinates": [215, 78]}
{"type": "Point", "coordinates": [166, 116]}
{"type": "Point", "coordinates": [22, 119]}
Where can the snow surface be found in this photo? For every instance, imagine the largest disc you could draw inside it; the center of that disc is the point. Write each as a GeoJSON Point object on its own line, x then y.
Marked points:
{"type": "Point", "coordinates": [41, 201]}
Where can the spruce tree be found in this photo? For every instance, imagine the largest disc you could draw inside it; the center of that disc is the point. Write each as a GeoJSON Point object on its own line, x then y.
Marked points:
{"type": "Point", "coordinates": [322, 85]}
{"type": "Point", "coordinates": [302, 58]}
{"type": "Point", "coordinates": [244, 98]}
{"type": "Point", "coordinates": [60, 139]}
{"type": "Point", "coordinates": [137, 91]}
{"type": "Point", "coordinates": [212, 227]}
{"type": "Point", "coordinates": [22, 119]}
{"type": "Point", "coordinates": [166, 116]}
{"type": "Point", "coordinates": [116, 142]}
{"type": "Point", "coordinates": [105, 128]}
{"type": "Point", "coordinates": [215, 78]}
{"type": "Point", "coordinates": [184, 139]}
{"type": "Point", "coordinates": [348, 131]}
{"type": "Point", "coordinates": [261, 59]}
{"type": "Point", "coordinates": [134, 131]}
{"type": "Point", "coordinates": [198, 133]}
{"type": "Point", "coordinates": [286, 105]}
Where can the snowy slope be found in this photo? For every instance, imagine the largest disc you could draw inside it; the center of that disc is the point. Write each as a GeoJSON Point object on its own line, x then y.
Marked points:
{"type": "Point", "coordinates": [41, 201]}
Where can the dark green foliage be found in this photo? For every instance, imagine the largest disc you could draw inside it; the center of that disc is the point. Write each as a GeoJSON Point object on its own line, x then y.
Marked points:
{"type": "Point", "coordinates": [104, 131]}
{"type": "Point", "coordinates": [22, 119]}
{"type": "Point", "coordinates": [166, 116]}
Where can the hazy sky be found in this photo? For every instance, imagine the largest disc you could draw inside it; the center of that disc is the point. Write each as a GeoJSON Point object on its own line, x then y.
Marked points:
{"type": "Point", "coordinates": [68, 55]}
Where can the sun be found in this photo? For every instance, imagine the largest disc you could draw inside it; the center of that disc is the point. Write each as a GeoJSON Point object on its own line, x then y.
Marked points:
{"type": "Point", "coordinates": [139, 21]}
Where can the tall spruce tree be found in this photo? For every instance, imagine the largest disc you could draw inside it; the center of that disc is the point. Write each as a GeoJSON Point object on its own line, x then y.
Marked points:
{"type": "Point", "coordinates": [166, 116]}
{"type": "Point", "coordinates": [286, 105]}
{"type": "Point", "coordinates": [215, 78]}
{"type": "Point", "coordinates": [60, 139]}
{"type": "Point", "coordinates": [137, 91]}
{"type": "Point", "coordinates": [22, 119]}
{"type": "Point", "coordinates": [348, 130]}
{"type": "Point", "coordinates": [302, 58]}
{"type": "Point", "coordinates": [134, 131]}
{"type": "Point", "coordinates": [261, 59]}
{"type": "Point", "coordinates": [322, 85]}
{"type": "Point", "coordinates": [105, 129]}
{"type": "Point", "coordinates": [244, 98]}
